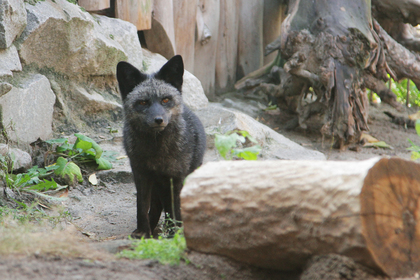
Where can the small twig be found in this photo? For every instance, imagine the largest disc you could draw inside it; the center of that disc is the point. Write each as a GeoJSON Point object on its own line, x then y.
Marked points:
{"type": "Point", "coordinates": [172, 200]}
{"type": "Point", "coordinates": [407, 101]}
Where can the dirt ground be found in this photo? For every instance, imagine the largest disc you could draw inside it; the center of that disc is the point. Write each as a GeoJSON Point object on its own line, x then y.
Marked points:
{"type": "Point", "coordinates": [104, 215]}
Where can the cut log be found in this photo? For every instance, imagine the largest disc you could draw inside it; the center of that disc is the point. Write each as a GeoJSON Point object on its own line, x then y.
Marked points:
{"type": "Point", "coordinates": [278, 214]}
{"type": "Point", "coordinates": [137, 12]}
{"type": "Point", "coordinates": [390, 208]}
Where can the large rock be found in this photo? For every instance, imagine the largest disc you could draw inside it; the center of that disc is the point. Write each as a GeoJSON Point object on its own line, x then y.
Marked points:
{"type": "Point", "coordinates": [62, 37]}
{"type": "Point", "coordinates": [125, 34]}
{"type": "Point", "coordinates": [217, 119]}
{"type": "Point", "coordinates": [91, 102]}
{"type": "Point", "coordinates": [27, 109]}
{"type": "Point", "coordinates": [9, 61]}
{"type": "Point", "coordinates": [18, 160]}
{"type": "Point", "coordinates": [192, 91]}
{"type": "Point", "coordinates": [12, 21]}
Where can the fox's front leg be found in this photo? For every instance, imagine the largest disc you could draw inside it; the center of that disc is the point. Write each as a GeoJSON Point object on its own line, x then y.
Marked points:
{"type": "Point", "coordinates": [172, 203]}
{"type": "Point", "coordinates": [143, 186]}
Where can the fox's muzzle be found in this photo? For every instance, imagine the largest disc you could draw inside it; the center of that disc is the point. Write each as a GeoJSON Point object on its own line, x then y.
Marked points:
{"type": "Point", "coordinates": [157, 117]}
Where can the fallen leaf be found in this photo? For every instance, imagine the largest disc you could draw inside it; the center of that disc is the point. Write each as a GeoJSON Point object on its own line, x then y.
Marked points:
{"type": "Point", "coordinates": [380, 144]}
{"type": "Point", "coordinates": [88, 234]}
{"type": "Point", "coordinates": [415, 116]}
{"type": "Point", "coordinates": [368, 138]}
{"type": "Point", "coordinates": [121, 157]}
{"type": "Point", "coordinates": [65, 193]}
{"type": "Point", "coordinates": [44, 206]}
{"type": "Point", "coordinates": [93, 180]}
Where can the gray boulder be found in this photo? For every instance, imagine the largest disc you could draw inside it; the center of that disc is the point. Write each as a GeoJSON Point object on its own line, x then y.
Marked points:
{"type": "Point", "coordinates": [5, 88]}
{"type": "Point", "coordinates": [62, 37]}
{"type": "Point", "coordinates": [217, 119]}
{"type": "Point", "coordinates": [9, 61]}
{"type": "Point", "coordinates": [12, 21]}
{"type": "Point", "coordinates": [125, 34]}
{"type": "Point", "coordinates": [91, 101]}
{"type": "Point", "coordinates": [27, 109]}
{"type": "Point", "coordinates": [18, 159]}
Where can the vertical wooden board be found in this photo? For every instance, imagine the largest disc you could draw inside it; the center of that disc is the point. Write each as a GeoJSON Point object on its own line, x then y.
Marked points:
{"type": "Point", "coordinates": [161, 37]}
{"type": "Point", "coordinates": [273, 17]}
{"type": "Point", "coordinates": [227, 45]}
{"type": "Point", "coordinates": [184, 19]}
{"type": "Point", "coordinates": [138, 12]}
{"type": "Point", "coordinates": [94, 5]}
{"type": "Point", "coordinates": [208, 13]}
{"type": "Point", "coordinates": [250, 41]}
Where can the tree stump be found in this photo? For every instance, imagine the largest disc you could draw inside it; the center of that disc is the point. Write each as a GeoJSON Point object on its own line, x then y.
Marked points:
{"type": "Point", "coordinates": [278, 214]}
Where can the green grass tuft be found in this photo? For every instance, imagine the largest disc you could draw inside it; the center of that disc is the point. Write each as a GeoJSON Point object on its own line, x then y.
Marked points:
{"type": "Point", "coordinates": [166, 251]}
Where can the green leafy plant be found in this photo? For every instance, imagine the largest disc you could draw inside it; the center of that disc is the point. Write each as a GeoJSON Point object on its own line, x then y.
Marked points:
{"type": "Point", "coordinates": [415, 150]}
{"type": "Point", "coordinates": [39, 181]}
{"type": "Point", "coordinates": [270, 107]}
{"type": "Point", "coordinates": [400, 89]}
{"type": "Point", "coordinates": [227, 145]}
{"type": "Point", "coordinates": [84, 150]}
{"type": "Point", "coordinates": [166, 251]}
{"type": "Point", "coordinates": [33, 181]}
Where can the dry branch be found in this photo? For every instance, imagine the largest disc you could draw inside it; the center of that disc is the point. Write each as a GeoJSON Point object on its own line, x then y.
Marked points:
{"type": "Point", "coordinates": [404, 64]}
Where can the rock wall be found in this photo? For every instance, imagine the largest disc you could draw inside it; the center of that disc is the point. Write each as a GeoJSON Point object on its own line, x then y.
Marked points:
{"type": "Point", "coordinates": [58, 68]}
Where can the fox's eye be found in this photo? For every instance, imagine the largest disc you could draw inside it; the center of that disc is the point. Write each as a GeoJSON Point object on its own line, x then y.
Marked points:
{"type": "Point", "coordinates": [165, 100]}
{"type": "Point", "coordinates": [142, 102]}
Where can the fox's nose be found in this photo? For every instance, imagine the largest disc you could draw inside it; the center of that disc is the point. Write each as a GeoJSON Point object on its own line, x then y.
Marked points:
{"type": "Point", "coordinates": [158, 120]}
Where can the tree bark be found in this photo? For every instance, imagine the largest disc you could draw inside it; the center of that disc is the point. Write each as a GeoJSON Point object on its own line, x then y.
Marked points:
{"type": "Point", "coordinates": [404, 64]}
{"type": "Point", "coordinates": [328, 44]}
{"type": "Point", "coordinates": [407, 11]}
{"type": "Point", "coordinates": [278, 214]}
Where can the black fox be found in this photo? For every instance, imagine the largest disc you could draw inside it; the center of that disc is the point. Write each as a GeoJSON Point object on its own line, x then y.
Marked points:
{"type": "Point", "coordinates": [163, 139]}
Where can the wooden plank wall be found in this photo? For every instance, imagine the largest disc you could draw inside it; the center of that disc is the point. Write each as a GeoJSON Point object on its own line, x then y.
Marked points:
{"type": "Point", "coordinates": [220, 40]}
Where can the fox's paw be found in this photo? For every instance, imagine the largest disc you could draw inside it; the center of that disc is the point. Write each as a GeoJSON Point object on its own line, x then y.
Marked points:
{"type": "Point", "coordinates": [139, 234]}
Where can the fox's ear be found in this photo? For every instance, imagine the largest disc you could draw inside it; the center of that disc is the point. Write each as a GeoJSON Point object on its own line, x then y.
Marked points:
{"type": "Point", "coordinates": [172, 72]}
{"type": "Point", "coordinates": [128, 78]}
